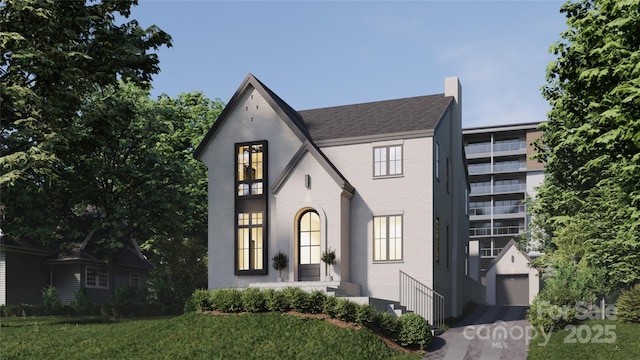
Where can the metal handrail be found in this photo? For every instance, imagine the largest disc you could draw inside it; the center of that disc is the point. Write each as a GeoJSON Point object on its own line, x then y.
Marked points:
{"type": "Point", "coordinates": [422, 300]}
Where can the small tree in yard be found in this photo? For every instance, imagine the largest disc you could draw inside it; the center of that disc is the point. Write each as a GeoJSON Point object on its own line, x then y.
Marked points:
{"type": "Point", "coordinates": [280, 261]}
{"type": "Point", "coordinates": [329, 258]}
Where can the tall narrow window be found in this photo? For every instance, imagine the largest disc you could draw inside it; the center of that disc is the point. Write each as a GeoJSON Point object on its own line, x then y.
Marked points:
{"type": "Point", "coordinates": [250, 176]}
{"type": "Point", "coordinates": [448, 247]}
{"type": "Point", "coordinates": [437, 162]}
{"type": "Point", "coordinates": [251, 208]}
{"type": "Point", "coordinates": [310, 238]}
{"type": "Point", "coordinates": [437, 241]}
{"type": "Point", "coordinates": [387, 238]}
{"type": "Point", "coordinates": [387, 160]}
{"type": "Point", "coordinates": [250, 241]}
{"type": "Point", "coordinates": [447, 177]}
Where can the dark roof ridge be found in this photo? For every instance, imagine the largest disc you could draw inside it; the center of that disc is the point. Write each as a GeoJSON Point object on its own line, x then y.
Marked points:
{"type": "Point", "coordinates": [441, 95]}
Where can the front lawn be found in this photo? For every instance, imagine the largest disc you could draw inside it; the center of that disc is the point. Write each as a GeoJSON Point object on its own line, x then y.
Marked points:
{"type": "Point", "coordinates": [593, 339]}
{"type": "Point", "coordinates": [190, 336]}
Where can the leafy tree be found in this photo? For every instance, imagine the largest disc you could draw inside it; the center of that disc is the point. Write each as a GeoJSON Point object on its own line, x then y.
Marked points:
{"type": "Point", "coordinates": [54, 54]}
{"type": "Point", "coordinates": [128, 171]}
{"type": "Point", "coordinates": [588, 208]}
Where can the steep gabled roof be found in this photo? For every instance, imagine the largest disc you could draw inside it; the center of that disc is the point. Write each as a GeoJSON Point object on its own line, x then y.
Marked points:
{"type": "Point", "coordinates": [418, 115]}
{"type": "Point", "coordinates": [511, 243]}
{"type": "Point", "coordinates": [286, 112]}
{"type": "Point", "coordinates": [308, 147]}
{"type": "Point", "coordinates": [407, 117]}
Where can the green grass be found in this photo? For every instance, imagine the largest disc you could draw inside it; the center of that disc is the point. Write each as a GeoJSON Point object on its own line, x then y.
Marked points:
{"type": "Point", "coordinates": [586, 344]}
{"type": "Point", "coordinates": [190, 336]}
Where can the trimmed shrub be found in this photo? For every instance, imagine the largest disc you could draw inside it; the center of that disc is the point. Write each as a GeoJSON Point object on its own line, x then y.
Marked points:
{"type": "Point", "coordinates": [50, 301]}
{"type": "Point", "coordinates": [227, 300]}
{"type": "Point", "coordinates": [297, 298]}
{"type": "Point", "coordinates": [276, 300]}
{"type": "Point", "coordinates": [253, 300]}
{"type": "Point", "coordinates": [189, 305]}
{"type": "Point", "coordinates": [201, 299]}
{"type": "Point", "coordinates": [628, 305]}
{"type": "Point", "coordinates": [414, 330]}
{"type": "Point", "coordinates": [366, 315]}
{"type": "Point", "coordinates": [82, 304]}
{"type": "Point", "coordinates": [345, 310]}
{"type": "Point", "coordinates": [544, 315]}
{"type": "Point", "coordinates": [316, 301]}
{"type": "Point", "coordinates": [387, 324]}
{"type": "Point", "coordinates": [129, 301]}
{"type": "Point", "coordinates": [329, 306]}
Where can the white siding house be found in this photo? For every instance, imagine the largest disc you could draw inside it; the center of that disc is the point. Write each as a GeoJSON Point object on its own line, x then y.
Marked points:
{"type": "Point", "coordinates": [370, 181]}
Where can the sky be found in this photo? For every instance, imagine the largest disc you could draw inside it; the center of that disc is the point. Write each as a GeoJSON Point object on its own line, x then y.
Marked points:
{"type": "Point", "coordinates": [317, 54]}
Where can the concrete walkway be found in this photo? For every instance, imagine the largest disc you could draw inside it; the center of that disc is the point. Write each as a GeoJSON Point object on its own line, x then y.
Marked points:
{"type": "Point", "coordinates": [489, 333]}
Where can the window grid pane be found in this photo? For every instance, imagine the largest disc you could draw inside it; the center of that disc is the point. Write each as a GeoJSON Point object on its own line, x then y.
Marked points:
{"type": "Point", "coordinates": [387, 160]}
{"type": "Point", "coordinates": [309, 237]}
{"type": "Point", "coordinates": [387, 238]}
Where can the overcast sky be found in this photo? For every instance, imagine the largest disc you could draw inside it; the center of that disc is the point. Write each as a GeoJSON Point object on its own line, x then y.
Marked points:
{"type": "Point", "coordinates": [326, 53]}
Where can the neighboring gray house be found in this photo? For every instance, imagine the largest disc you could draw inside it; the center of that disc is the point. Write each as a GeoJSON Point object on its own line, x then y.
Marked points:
{"type": "Point", "coordinates": [26, 268]}
{"type": "Point", "coordinates": [384, 184]}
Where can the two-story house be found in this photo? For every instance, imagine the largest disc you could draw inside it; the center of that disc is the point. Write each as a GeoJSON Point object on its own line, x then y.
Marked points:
{"type": "Point", "coordinates": [384, 184]}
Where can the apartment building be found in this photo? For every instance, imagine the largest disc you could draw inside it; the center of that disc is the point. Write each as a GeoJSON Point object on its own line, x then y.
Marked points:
{"type": "Point", "coordinates": [502, 175]}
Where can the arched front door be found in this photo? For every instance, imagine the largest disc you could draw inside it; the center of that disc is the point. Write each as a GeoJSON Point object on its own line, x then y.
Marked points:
{"type": "Point", "coordinates": [309, 246]}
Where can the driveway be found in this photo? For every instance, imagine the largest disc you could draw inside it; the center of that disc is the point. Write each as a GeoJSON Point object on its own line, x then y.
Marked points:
{"type": "Point", "coordinates": [490, 332]}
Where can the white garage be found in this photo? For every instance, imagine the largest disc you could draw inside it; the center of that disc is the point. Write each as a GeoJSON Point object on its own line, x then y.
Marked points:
{"type": "Point", "coordinates": [510, 280]}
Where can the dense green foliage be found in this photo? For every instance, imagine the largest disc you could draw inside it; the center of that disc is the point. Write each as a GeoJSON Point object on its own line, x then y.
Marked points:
{"type": "Point", "coordinates": [587, 212]}
{"type": "Point", "coordinates": [50, 301]}
{"type": "Point", "coordinates": [54, 54]}
{"type": "Point", "coordinates": [628, 305]}
{"type": "Point", "coordinates": [86, 154]}
{"type": "Point", "coordinates": [191, 336]}
{"type": "Point", "coordinates": [414, 331]}
{"type": "Point", "coordinates": [82, 304]}
{"type": "Point", "coordinates": [590, 344]}
{"type": "Point", "coordinates": [410, 330]}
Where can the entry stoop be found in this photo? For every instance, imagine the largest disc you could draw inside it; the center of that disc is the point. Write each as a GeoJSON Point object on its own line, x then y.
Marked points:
{"type": "Point", "coordinates": [337, 288]}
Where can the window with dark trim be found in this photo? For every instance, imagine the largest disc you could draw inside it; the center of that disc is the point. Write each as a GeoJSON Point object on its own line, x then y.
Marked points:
{"type": "Point", "coordinates": [437, 241]}
{"type": "Point", "coordinates": [448, 247]}
{"type": "Point", "coordinates": [96, 277]}
{"type": "Point", "coordinates": [251, 209]}
{"type": "Point", "coordinates": [134, 279]}
{"type": "Point", "coordinates": [250, 169]}
{"type": "Point", "coordinates": [309, 237]}
{"type": "Point", "coordinates": [447, 178]}
{"type": "Point", "coordinates": [437, 161]}
{"type": "Point", "coordinates": [387, 237]}
{"type": "Point", "coordinates": [387, 160]}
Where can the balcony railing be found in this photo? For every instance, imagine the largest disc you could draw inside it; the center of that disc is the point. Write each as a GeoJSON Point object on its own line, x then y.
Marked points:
{"type": "Point", "coordinates": [504, 166]}
{"type": "Point", "coordinates": [497, 210]}
{"type": "Point", "coordinates": [480, 190]}
{"type": "Point", "coordinates": [478, 148]}
{"type": "Point", "coordinates": [490, 253]}
{"type": "Point", "coordinates": [479, 168]}
{"type": "Point", "coordinates": [509, 146]}
{"type": "Point", "coordinates": [509, 209]}
{"type": "Point", "coordinates": [509, 188]}
{"type": "Point", "coordinates": [499, 230]}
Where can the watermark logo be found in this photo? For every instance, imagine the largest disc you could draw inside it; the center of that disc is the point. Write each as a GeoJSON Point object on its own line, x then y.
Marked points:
{"type": "Point", "coordinates": [501, 333]}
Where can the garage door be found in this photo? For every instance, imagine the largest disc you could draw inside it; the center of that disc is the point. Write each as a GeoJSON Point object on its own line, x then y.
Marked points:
{"type": "Point", "coordinates": [512, 289]}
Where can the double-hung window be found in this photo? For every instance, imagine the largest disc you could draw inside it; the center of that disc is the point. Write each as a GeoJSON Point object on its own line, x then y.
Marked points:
{"type": "Point", "coordinates": [251, 209]}
{"type": "Point", "coordinates": [387, 160]}
{"type": "Point", "coordinates": [387, 237]}
{"type": "Point", "coordinates": [96, 277]}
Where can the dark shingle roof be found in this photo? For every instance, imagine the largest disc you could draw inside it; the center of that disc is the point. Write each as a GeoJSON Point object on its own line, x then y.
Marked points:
{"type": "Point", "coordinates": [375, 118]}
